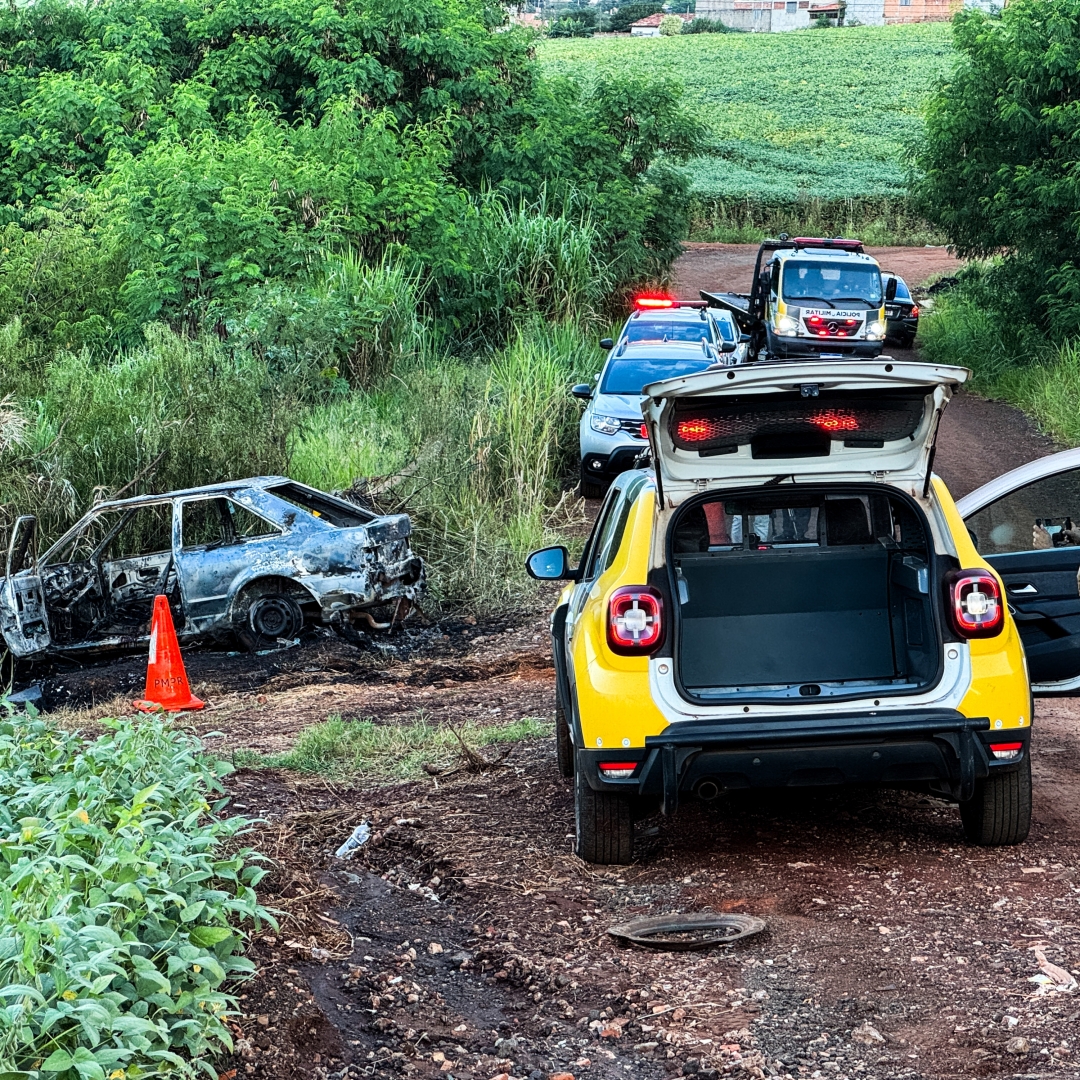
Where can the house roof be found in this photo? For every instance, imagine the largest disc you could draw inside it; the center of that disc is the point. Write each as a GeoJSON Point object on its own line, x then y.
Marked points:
{"type": "Point", "coordinates": [654, 20]}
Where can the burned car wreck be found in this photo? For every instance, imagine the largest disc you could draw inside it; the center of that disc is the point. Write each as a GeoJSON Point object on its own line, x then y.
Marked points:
{"type": "Point", "coordinates": [258, 558]}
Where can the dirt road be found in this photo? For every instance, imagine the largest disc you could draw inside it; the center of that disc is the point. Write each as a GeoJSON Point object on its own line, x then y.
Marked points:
{"type": "Point", "coordinates": [467, 941]}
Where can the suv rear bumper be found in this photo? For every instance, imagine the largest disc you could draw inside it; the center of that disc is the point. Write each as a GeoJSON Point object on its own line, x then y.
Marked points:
{"type": "Point", "coordinates": [939, 749]}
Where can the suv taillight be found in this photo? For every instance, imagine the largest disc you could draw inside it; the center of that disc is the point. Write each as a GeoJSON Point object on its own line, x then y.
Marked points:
{"type": "Point", "coordinates": [975, 606]}
{"type": "Point", "coordinates": [635, 625]}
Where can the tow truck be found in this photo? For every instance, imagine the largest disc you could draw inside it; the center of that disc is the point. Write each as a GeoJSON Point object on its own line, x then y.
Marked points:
{"type": "Point", "coordinates": [811, 297]}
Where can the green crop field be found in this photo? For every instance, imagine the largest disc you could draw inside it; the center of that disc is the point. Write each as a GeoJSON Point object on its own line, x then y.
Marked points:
{"type": "Point", "coordinates": [819, 114]}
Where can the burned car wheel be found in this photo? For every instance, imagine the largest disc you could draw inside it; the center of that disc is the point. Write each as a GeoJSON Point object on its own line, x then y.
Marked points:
{"type": "Point", "coordinates": [267, 619]}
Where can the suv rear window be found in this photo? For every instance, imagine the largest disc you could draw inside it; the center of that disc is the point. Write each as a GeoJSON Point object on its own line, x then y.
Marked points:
{"type": "Point", "coordinates": [789, 425]}
{"type": "Point", "coordinates": [325, 507]}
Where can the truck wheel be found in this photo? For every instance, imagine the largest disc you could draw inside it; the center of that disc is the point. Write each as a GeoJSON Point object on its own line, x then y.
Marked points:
{"type": "Point", "coordinates": [604, 824]}
{"type": "Point", "coordinates": [999, 812]}
{"type": "Point", "coordinates": [590, 489]}
{"type": "Point", "coordinates": [564, 743]}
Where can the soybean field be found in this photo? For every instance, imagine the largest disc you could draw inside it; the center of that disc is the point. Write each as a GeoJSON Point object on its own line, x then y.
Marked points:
{"type": "Point", "coordinates": [818, 114]}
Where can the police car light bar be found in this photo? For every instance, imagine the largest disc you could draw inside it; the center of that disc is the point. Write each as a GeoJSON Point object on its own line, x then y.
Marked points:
{"type": "Point", "coordinates": [653, 303]}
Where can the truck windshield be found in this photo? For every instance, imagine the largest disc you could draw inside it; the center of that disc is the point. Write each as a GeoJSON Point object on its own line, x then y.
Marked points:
{"type": "Point", "coordinates": [629, 376]}
{"type": "Point", "coordinates": [815, 281]}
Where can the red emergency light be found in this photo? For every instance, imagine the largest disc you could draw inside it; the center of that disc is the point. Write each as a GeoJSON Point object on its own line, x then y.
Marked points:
{"type": "Point", "coordinates": [819, 241]}
{"type": "Point", "coordinates": [655, 303]}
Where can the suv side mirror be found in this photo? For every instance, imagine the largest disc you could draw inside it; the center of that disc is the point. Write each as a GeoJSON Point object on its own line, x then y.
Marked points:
{"type": "Point", "coordinates": [607, 343]}
{"type": "Point", "coordinates": [744, 339]}
{"type": "Point", "coordinates": [550, 564]}
{"type": "Point", "coordinates": [890, 289]}
{"type": "Point", "coordinates": [582, 390]}
{"type": "Point", "coordinates": [728, 346]}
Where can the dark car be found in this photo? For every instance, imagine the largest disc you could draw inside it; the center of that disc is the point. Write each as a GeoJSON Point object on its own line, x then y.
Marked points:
{"type": "Point", "coordinates": [901, 314]}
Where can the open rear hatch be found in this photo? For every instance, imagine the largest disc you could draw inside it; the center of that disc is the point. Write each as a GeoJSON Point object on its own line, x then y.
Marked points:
{"type": "Point", "coordinates": [844, 420]}
{"type": "Point", "coordinates": [798, 573]}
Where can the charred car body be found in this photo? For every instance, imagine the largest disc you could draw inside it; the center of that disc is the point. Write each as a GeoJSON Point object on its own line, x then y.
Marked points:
{"type": "Point", "coordinates": [259, 558]}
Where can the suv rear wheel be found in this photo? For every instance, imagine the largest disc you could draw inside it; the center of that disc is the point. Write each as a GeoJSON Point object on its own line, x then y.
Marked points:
{"type": "Point", "coordinates": [999, 812]}
{"type": "Point", "coordinates": [604, 824]}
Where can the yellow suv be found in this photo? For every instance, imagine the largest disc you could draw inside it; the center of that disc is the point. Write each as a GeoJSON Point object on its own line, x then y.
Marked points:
{"type": "Point", "coordinates": [788, 598]}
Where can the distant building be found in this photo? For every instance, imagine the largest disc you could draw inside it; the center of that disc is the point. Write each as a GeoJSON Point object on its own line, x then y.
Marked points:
{"type": "Point", "coordinates": [650, 26]}
{"type": "Point", "coordinates": [774, 15]}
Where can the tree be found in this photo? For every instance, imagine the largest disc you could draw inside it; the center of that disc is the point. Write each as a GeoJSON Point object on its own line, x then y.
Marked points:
{"type": "Point", "coordinates": [997, 168]}
{"type": "Point", "coordinates": [630, 13]}
{"type": "Point", "coordinates": [670, 26]}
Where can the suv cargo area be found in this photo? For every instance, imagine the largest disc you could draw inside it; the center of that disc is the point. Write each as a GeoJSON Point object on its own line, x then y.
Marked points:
{"type": "Point", "coordinates": [795, 595]}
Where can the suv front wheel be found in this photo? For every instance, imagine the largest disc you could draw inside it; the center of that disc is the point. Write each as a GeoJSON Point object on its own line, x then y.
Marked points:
{"type": "Point", "coordinates": [604, 824]}
{"type": "Point", "coordinates": [999, 812]}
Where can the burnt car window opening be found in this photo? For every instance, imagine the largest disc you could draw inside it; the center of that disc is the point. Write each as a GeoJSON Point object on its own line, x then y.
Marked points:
{"type": "Point", "coordinates": [247, 525]}
{"type": "Point", "coordinates": [333, 511]}
{"type": "Point", "coordinates": [828, 281]}
{"type": "Point", "coordinates": [202, 524]}
{"type": "Point", "coordinates": [80, 547]}
{"type": "Point", "coordinates": [629, 376]}
{"type": "Point", "coordinates": [669, 330]}
{"type": "Point", "coordinates": [147, 530]}
{"type": "Point", "coordinates": [210, 523]}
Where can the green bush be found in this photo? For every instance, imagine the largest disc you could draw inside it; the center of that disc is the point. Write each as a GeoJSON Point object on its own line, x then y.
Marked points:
{"type": "Point", "coordinates": [670, 26]}
{"type": "Point", "coordinates": [707, 26]}
{"type": "Point", "coordinates": [123, 900]}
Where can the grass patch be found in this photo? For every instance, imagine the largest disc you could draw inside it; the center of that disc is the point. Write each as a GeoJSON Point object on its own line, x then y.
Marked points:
{"type": "Point", "coordinates": [476, 452]}
{"type": "Point", "coordinates": [363, 750]}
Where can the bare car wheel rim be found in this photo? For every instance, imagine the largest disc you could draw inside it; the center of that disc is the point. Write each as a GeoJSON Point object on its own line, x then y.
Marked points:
{"type": "Point", "coordinates": [275, 617]}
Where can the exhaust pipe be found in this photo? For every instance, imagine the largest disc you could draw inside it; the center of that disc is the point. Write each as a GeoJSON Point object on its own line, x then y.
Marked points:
{"type": "Point", "coordinates": [707, 790]}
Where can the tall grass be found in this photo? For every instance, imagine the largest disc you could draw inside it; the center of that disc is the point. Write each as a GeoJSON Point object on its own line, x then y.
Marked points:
{"type": "Point", "coordinates": [170, 414]}
{"type": "Point", "coordinates": [880, 221]}
{"type": "Point", "coordinates": [1023, 369]}
{"type": "Point", "coordinates": [538, 259]}
{"type": "Point", "coordinates": [475, 452]}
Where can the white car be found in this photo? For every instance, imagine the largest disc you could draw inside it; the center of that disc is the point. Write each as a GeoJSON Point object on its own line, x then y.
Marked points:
{"type": "Point", "coordinates": [612, 431]}
{"type": "Point", "coordinates": [660, 320]}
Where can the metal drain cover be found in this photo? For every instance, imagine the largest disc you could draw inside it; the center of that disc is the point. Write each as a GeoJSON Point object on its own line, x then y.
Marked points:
{"type": "Point", "coordinates": [681, 933]}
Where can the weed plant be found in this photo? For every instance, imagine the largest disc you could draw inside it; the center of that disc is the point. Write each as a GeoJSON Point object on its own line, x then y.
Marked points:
{"type": "Point", "coordinates": [349, 750]}
{"type": "Point", "coordinates": [124, 900]}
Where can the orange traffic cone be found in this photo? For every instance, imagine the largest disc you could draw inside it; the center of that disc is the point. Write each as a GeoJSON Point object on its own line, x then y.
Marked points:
{"type": "Point", "coordinates": [166, 680]}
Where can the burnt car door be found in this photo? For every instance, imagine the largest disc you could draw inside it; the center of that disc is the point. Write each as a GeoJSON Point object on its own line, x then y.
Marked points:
{"type": "Point", "coordinates": [220, 541]}
{"type": "Point", "coordinates": [1026, 524]}
{"type": "Point", "coordinates": [136, 564]}
{"type": "Point", "coordinates": [23, 617]}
